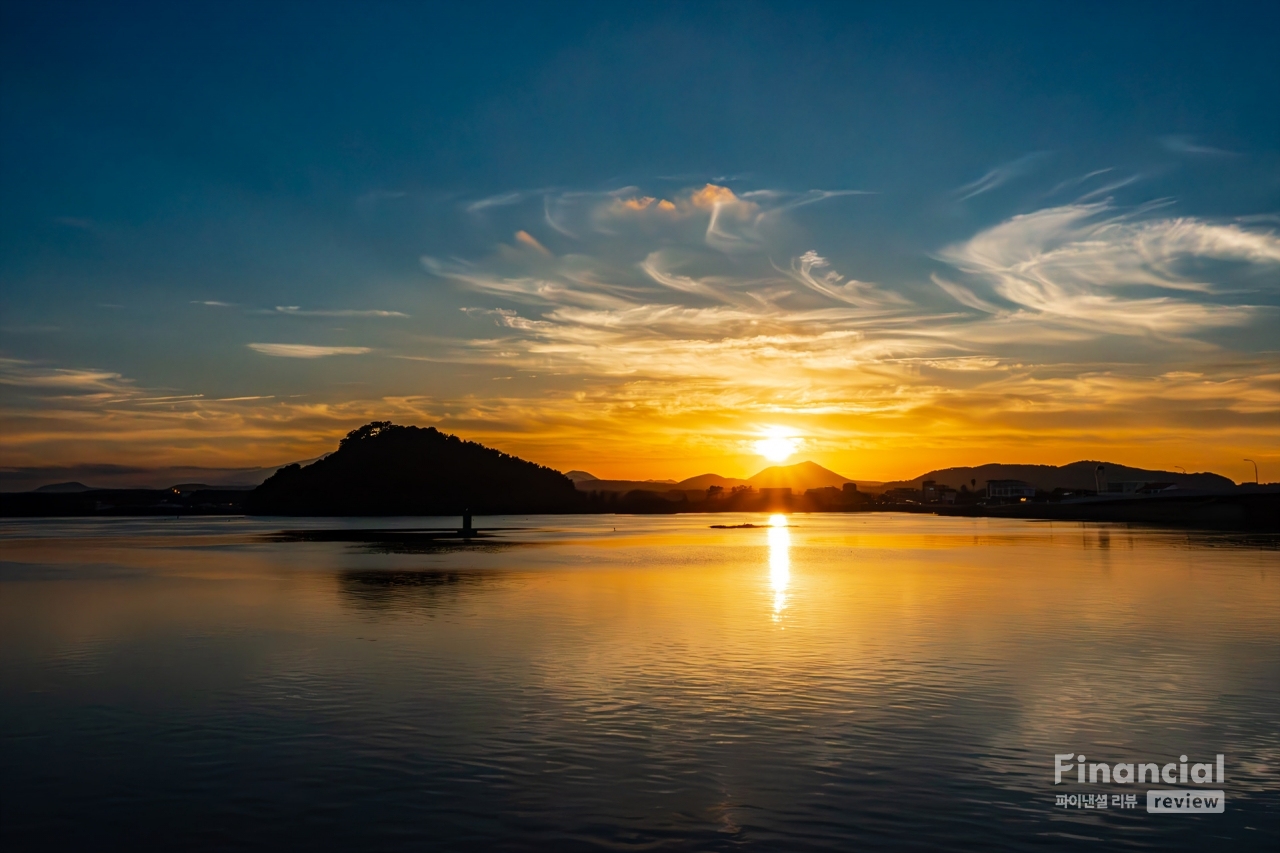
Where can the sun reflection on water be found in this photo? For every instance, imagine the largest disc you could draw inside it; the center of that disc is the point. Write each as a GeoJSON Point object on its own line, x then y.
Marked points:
{"type": "Point", "coordinates": [779, 562]}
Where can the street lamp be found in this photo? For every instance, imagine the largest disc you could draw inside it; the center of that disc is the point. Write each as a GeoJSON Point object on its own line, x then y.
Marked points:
{"type": "Point", "coordinates": [1255, 471]}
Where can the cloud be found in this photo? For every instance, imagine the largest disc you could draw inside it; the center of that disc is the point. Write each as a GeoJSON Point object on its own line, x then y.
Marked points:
{"type": "Point", "coordinates": [1184, 145]}
{"type": "Point", "coordinates": [1076, 181]}
{"type": "Point", "coordinates": [835, 286]}
{"type": "Point", "coordinates": [711, 214]}
{"type": "Point", "coordinates": [655, 266]}
{"type": "Point", "coordinates": [305, 350]}
{"type": "Point", "coordinates": [683, 318]}
{"type": "Point", "coordinates": [296, 311]}
{"type": "Point", "coordinates": [22, 373]}
{"type": "Point", "coordinates": [712, 197]}
{"type": "Point", "coordinates": [729, 218]}
{"type": "Point", "coordinates": [651, 322]}
{"type": "Point", "coordinates": [527, 239]}
{"type": "Point", "coordinates": [499, 200]}
{"type": "Point", "coordinates": [636, 204]}
{"type": "Point", "coordinates": [964, 295]}
{"type": "Point", "coordinates": [1086, 264]}
{"type": "Point", "coordinates": [1000, 175]}
{"type": "Point", "coordinates": [784, 202]}
{"type": "Point", "coordinates": [1108, 188]}
{"type": "Point", "coordinates": [213, 303]}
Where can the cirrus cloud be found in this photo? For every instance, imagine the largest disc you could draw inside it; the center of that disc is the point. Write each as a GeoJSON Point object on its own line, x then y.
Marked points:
{"type": "Point", "coordinates": [1088, 265]}
{"type": "Point", "coordinates": [305, 350]}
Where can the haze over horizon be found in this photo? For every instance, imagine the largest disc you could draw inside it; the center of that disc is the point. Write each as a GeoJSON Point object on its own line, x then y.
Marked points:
{"type": "Point", "coordinates": [231, 234]}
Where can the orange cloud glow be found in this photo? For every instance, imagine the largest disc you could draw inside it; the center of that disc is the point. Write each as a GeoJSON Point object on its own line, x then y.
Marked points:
{"type": "Point", "coordinates": [669, 347]}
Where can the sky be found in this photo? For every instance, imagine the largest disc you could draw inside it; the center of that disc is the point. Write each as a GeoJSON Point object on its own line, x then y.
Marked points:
{"type": "Point", "coordinates": [640, 239]}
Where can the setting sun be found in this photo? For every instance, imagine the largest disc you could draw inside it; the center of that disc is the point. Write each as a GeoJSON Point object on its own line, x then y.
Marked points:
{"type": "Point", "coordinates": [777, 445]}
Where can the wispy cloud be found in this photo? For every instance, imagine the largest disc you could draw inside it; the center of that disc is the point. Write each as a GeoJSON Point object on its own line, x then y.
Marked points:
{"type": "Point", "coordinates": [964, 295]}
{"type": "Point", "coordinates": [18, 372]}
{"type": "Point", "coordinates": [1106, 189]}
{"type": "Point", "coordinates": [1078, 180]}
{"type": "Point", "coordinates": [1087, 264]}
{"type": "Point", "coordinates": [305, 350]}
{"type": "Point", "coordinates": [808, 269]}
{"type": "Point", "coordinates": [296, 311]}
{"type": "Point", "coordinates": [501, 200]}
{"type": "Point", "coordinates": [1000, 175]}
{"type": "Point", "coordinates": [1186, 145]}
{"type": "Point", "coordinates": [653, 317]}
{"type": "Point", "coordinates": [698, 313]}
{"type": "Point", "coordinates": [527, 239]}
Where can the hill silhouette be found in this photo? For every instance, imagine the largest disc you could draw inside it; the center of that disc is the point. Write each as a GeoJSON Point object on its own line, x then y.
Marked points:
{"type": "Point", "coordinates": [798, 477]}
{"type": "Point", "coordinates": [63, 488]}
{"type": "Point", "coordinates": [1076, 475]}
{"type": "Point", "coordinates": [706, 481]}
{"type": "Point", "coordinates": [385, 469]}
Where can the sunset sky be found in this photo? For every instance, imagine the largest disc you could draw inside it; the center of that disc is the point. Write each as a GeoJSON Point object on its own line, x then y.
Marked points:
{"type": "Point", "coordinates": [640, 239]}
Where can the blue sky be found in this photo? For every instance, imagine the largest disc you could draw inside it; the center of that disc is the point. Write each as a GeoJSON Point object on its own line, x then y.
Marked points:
{"type": "Point", "coordinates": [229, 233]}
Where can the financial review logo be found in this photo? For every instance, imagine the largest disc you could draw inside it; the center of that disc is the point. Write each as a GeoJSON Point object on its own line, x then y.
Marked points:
{"type": "Point", "coordinates": [1159, 801]}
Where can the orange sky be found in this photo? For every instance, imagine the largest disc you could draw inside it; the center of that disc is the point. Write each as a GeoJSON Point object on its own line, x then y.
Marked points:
{"type": "Point", "coordinates": [671, 334]}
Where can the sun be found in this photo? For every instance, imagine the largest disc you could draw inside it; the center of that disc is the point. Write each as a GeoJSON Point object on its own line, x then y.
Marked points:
{"type": "Point", "coordinates": [777, 445]}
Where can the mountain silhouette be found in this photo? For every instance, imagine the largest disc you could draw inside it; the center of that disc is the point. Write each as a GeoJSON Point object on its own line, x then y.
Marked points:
{"type": "Point", "coordinates": [706, 481]}
{"type": "Point", "coordinates": [385, 469]}
{"type": "Point", "coordinates": [798, 477]}
{"type": "Point", "coordinates": [1077, 475]}
{"type": "Point", "coordinates": [63, 488]}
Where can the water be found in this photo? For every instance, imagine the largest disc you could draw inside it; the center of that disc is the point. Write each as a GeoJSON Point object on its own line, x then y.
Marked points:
{"type": "Point", "coordinates": [845, 682]}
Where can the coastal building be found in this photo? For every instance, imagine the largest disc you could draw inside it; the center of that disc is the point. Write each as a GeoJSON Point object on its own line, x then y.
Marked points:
{"type": "Point", "coordinates": [1010, 490]}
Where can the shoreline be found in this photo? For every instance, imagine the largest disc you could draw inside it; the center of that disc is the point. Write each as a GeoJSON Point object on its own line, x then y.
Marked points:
{"type": "Point", "coordinates": [1248, 511]}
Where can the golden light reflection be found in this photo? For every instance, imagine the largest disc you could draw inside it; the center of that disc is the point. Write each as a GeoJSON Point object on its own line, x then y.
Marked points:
{"type": "Point", "coordinates": [779, 562]}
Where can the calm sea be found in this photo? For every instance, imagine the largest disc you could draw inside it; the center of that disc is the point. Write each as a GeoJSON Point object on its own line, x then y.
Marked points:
{"type": "Point", "coordinates": [844, 682]}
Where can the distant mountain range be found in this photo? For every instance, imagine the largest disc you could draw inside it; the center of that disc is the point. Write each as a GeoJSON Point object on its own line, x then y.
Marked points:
{"type": "Point", "coordinates": [432, 470]}
{"type": "Point", "coordinates": [64, 488]}
{"type": "Point", "coordinates": [384, 469]}
{"type": "Point", "coordinates": [1077, 475]}
{"type": "Point", "coordinates": [810, 475]}
{"type": "Point", "coordinates": [797, 477]}
{"type": "Point", "coordinates": [105, 476]}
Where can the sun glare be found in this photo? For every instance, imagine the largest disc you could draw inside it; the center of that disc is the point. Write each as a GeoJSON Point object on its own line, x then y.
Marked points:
{"type": "Point", "coordinates": [777, 445]}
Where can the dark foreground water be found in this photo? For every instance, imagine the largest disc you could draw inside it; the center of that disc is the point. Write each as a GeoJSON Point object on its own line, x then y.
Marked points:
{"type": "Point", "coordinates": [849, 682]}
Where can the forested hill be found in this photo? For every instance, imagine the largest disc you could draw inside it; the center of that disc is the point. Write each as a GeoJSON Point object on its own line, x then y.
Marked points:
{"type": "Point", "coordinates": [385, 469]}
